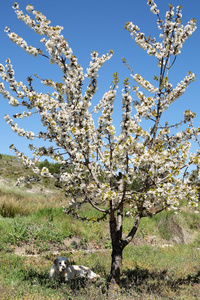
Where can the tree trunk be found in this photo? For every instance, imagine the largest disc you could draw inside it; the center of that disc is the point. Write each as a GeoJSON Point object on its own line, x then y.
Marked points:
{"type": "Point", "coordinates": [117, 248]}
{"type": "Point", "coordinates": [118, 244]}
{"type": "Point", "coordinates": [116, 266]}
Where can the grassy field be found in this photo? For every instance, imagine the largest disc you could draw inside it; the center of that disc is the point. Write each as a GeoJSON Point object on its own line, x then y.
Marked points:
{"type": "Point", "coordinates": [161, 263]}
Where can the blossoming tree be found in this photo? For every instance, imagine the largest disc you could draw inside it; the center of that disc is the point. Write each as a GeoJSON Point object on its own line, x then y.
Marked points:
{"type": "Point", "coordinates": [103, 163]}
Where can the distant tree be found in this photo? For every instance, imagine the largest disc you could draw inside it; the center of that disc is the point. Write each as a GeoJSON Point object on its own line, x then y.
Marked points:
{"type": "Point", "coordinates": [54, 168]}
{"type": "Point", "coordinates": [105, 164]}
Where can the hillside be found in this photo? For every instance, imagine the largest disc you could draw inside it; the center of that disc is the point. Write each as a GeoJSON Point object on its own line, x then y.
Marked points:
{"type": "Point", "coordinates": [162, 262]}
{"type": "Point", "coordinates": [11, 169]}
{"type": "Point", "coordinates": [172, 229]}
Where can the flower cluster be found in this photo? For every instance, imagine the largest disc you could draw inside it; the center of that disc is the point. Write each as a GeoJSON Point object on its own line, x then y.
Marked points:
{"type": "Point", "coordinates": [22, 43]}
{"type": "Point", "coordinates": [153, 6]}
{"type": "Point", "coordinates": [105, 121]}
{"type": "Point", "coordinates": [144, 83]}
{"type": "Point", "coordinates": [20, 131]}
{"type": "Point", "coordinates": [174, 34]}
{"type": "Point", "coordinates": [179, 90]}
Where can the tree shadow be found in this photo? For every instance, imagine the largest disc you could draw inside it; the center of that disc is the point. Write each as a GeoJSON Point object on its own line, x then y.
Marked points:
{"type": "Point", "coordinates": [141, 279]}
{"type": "Point", "coordinates": [137, 281]}
{"type": "Point", "coordinates": [34, 276]}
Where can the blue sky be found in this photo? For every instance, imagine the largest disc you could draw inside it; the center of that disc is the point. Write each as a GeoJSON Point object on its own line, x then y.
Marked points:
{"type": "Point", "coordinates": [97, 25]}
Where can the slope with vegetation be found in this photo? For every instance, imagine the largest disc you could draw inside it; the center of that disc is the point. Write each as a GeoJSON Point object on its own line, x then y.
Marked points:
{"type": "Point", "coordinates": [161, 263]}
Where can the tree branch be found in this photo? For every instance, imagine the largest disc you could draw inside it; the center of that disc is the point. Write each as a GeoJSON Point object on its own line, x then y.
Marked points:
{"type": "Point", "coordinates": [106, 211]}
{"type": "Point", "coordinates": [133, 231]}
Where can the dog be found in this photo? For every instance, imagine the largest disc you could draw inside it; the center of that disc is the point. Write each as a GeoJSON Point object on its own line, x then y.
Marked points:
{"type": "Point", "coordinates": [62, 269]}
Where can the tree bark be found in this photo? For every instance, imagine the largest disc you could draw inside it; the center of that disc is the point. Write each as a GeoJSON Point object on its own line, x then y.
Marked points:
{"type": "Point", "coordinates": [116, 263]}
{"type": "Point", "coordinates": [116, 221]}
{"type": "Point", "coordinates": [115, 273]}
{"type": "Point", "coordinates": [116, 266]}
{"type": "Point", "coordinates": [118, 245]}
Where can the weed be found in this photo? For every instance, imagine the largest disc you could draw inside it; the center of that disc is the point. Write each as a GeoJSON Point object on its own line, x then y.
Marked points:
{"type": "Point", "coordinates": [18, 233]}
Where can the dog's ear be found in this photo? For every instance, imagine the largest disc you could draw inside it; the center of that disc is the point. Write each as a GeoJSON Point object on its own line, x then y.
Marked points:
{"type": "Point", "coordinates": [55, 261]}
{"type": "Point", "coordinates": [68, 262]}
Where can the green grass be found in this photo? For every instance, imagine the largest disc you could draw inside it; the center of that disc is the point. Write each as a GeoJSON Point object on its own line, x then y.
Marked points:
{"type": "Point", "coordinates": [149, 272]}
{"type": "Point", "coordinates": [33, 226]}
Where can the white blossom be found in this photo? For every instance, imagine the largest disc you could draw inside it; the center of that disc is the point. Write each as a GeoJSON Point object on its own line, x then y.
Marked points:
{"type": "Point", "coordinates": [98, 162]}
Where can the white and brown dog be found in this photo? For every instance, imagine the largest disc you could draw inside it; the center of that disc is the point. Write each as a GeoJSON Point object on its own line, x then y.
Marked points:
{"type": "Point", "coordinates": [63, 270]}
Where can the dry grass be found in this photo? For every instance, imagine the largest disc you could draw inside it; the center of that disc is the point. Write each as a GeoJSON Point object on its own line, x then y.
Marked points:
{"type": "Point", "coordinates": [25, 201]}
